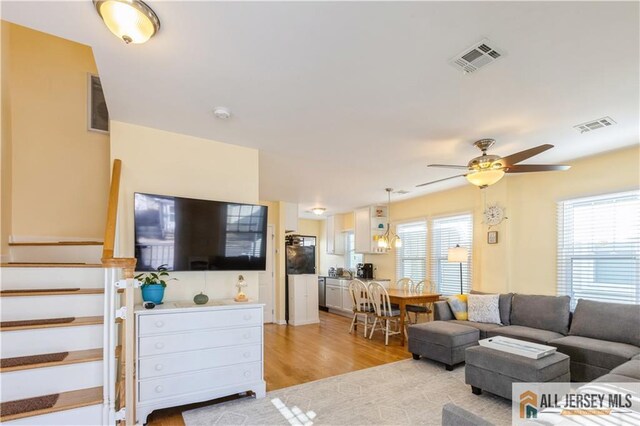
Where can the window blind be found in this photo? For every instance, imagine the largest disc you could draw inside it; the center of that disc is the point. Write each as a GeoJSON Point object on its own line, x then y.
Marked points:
{"type": "Point", "coordinates": [411, 258]}
{"type": "Point", "coordinates": [599, 248]}
{"type": "Point", "coordinates": [447, 232]}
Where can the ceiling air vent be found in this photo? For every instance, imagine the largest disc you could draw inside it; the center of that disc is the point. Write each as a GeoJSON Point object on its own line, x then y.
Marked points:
{"type": "Point", "coordinates": [594, 125]}
{"type": "Point", "coordinates": [477, 56]}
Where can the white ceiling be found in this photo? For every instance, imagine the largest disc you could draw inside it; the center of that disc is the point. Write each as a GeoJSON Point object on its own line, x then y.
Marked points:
{"type": "Point", "coordinates": [345, 99]}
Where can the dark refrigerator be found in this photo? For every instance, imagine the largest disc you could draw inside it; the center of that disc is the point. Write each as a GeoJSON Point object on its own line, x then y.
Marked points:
{"type": "Point", "coordinates": [300, 259]}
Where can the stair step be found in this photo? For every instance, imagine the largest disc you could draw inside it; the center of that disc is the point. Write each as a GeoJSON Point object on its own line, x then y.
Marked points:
{"type": "Point", "coordinates": [49, 265]}
{"type": "Point", "coordinates": [57, 243]}
{"type": "Point", "coordinates": [23, 292]}
{"type": "Point", "coordinates": [73, 357]}
{"type": "Point", "coordinates": [66, 401]}
{"type": "Point", "coordinates": [51, 323]}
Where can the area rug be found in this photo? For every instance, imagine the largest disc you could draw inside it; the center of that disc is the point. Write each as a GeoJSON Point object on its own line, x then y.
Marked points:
{"type": "Point", "coordinates": [402, 393]}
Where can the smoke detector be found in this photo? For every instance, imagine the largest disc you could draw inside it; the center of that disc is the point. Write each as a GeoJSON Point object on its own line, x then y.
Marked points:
{"type": "Point", "coordinates": [222, 113]}
{"type": "Point", "coordinates": [594, 124]}
{"type": "Point", "coordinates": [477, 56]}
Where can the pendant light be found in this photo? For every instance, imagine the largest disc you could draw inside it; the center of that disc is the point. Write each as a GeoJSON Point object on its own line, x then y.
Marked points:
{"type": "Point", "coordinates": [130, 20]}
{"type": "Point", "coordinates": [389, 238]}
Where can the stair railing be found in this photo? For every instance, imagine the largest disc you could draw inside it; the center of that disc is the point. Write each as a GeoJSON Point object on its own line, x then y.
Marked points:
{"type": "Point", "coordinates": [119, 390]}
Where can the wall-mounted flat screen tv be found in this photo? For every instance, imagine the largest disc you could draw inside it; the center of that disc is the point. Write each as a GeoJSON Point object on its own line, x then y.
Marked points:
{"type": "Point", "coordinates": [198, 235]}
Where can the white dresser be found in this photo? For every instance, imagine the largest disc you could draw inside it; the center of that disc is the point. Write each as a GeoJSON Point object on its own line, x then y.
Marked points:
{"type": "Point", "coordinates": [190, 353]}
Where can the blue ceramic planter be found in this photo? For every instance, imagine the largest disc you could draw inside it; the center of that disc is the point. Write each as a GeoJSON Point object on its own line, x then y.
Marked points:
{"type": "Point", "coordinates": [153, 293]}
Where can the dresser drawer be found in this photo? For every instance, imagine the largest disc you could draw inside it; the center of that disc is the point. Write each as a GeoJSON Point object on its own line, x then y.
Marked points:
{"type": "Point", "coordinates": [183, 342]}
{"type": "Point", "coordinates": [171, 323]}
{"type": "Point", "coordinates": [165, 387]}
{"type": "Point", "coordinates": [183, 362]}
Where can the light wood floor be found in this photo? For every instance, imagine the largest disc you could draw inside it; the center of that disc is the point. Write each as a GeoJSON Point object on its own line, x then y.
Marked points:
{"type": "Point", "coordinates": [294, 355]}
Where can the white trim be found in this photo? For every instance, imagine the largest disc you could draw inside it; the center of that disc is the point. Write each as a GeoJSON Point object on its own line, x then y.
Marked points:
{"type": "Point", "coordinates": [50, 239]}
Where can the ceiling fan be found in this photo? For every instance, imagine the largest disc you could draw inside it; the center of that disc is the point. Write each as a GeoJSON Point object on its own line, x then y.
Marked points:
{"type": "Point", "coordinates": [487, 169]}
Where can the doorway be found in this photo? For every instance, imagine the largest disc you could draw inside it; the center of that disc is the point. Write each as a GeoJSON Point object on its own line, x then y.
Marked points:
{"type": "Point", "coordinates": [266, 279]}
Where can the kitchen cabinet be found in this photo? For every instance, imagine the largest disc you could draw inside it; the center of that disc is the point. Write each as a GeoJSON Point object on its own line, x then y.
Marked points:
{"type": "Point", "coordinates": [303, 299]}
{"type": "Point", "coordinates": [334, 236]}
{"type": "Point", "coordinates": [347, 304]}
{"type": "Point", "coordinates": [333, 293]}
{"type": "Point", "coordinates": [370, 224]}
{"type": "Point", "coordinates": [290, 217]}
{"type": "Point", "coordinates": [192, 353]}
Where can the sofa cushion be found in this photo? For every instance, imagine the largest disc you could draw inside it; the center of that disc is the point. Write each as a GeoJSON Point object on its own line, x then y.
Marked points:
{"type": "Point", "coordinates": [615, 322]}
{"type": "Point", "coordinates": [504, 306]}
{"type": "Point", "coordinates": [636, 357]}
{"type": "Point", "coordinates": [529, 334]}
{"type": "Point", "coordinates": [484, 308]}
{"type": "Point", "coordinates": [542, 312]}
{"type": "Point", "coordinates": [481, 326]}
{"type": "Point", "coordinates": [458, 305]}
{"type": "Point", "coordinates": [629, 369]}
{"type": "Point", "coordinates": [615, 378]}
{"type": "Point", "coordinates": [601, 353]}
{"type": "Point", "coordinates": [444, 333]}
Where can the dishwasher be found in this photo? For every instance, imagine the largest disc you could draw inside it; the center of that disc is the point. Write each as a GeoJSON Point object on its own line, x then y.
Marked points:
{"type": "Point", "coordinates": [322, 294]}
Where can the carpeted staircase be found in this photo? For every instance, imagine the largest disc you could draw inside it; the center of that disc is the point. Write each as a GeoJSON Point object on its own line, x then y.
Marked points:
{"type": "Point", "coordinates": [51, 331]}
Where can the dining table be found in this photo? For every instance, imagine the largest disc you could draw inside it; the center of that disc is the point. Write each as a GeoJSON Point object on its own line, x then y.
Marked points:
{"type": "Point", "coordinates": [403, 297]}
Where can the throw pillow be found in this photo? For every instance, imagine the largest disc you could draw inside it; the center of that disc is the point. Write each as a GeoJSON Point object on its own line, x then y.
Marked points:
{"type": "Point", "coordinates": [484, 308]}
{"type": "Point", "coordinates": [458, 305]}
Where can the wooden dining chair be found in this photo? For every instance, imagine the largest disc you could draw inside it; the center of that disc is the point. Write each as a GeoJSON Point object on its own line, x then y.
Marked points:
{"type": "Point", "coordinates": [363, 311]}
{"type": "Point", "coordinates": [385, 315]}
{"type": "Point", "coordinates": [403, 284]}
{"type": "Point", "coordinates": [424, 286]}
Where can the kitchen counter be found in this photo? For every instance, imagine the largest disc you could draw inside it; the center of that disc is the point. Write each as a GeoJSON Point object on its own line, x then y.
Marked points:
{"type": "Point", "coordinates": [355, 278]}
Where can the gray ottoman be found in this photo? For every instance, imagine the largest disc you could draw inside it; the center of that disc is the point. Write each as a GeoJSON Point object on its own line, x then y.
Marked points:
{"type": "Point", "coordinates": [495, 371]}
{"type": "Point", "coordinates": [441, 341]}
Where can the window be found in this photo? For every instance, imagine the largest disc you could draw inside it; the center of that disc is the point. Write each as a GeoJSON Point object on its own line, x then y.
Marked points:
{"type": "Point", "coordinates": [599, 248]}
{"type": "Point", "coordinates": [351, 258]}
{"type": "Point", "coordinates": [411, 258]}
{"type": "Point", "coordinates": [447, 232]}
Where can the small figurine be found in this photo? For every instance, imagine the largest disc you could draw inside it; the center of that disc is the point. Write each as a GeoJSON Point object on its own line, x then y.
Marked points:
{"type": "Point", "coordinates": [241, 297]}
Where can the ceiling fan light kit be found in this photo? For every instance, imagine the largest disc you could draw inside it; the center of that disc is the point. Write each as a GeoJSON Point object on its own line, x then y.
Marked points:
{"type": "Point", "coordinates": [132, 21]}
{"type": "Point", "coordinates": [486, 170]}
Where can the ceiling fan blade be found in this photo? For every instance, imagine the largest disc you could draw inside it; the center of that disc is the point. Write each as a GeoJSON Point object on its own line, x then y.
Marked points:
{"type": "Point", "coordinates": [449, 166]}
{"type": "Point", "coordinates": [440, 180]}
{"type": "Point", "coordinates": [527, 168]}
{"type": "Point", "coordinates": [512, 159]}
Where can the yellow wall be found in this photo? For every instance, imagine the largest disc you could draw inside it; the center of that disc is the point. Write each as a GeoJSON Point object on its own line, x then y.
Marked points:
{"type": "Point", "coordinates": [5, 146]}
{"type": "Point", "coordinates": [524, 260]}
{"type": "Point", "coordinates": [159, 162]}
{"type": "Point", "coordinates": [60, 170]}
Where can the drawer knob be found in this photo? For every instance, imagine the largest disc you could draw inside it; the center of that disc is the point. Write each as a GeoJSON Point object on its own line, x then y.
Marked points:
{"type": "Point", "coordinates": [247, 373]}
{"type": "Point", "coordinates": [159, 324]}
{"type": "Point", "coordinates": [159, 367]}
{"type": "Point", "coordinates": [246, 354]}
{"type": "Point", "coordinates": [247, 317]}
{"type": "Point", "coordinates": [159, 345]}
{"type": "Point", "coordinates": [246, 335]}
{"type": "Point", "coordinates": [159, 389]}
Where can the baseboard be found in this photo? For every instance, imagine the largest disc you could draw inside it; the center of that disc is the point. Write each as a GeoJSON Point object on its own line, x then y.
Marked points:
{"type": "Point", "coordinates": [280, 322]}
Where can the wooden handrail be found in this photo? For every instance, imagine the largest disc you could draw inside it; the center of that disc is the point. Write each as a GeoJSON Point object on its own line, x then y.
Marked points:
{"type": "Point", "coordinates": [112, 211]}
{"type": "Point", "coordinates": [125, 379]}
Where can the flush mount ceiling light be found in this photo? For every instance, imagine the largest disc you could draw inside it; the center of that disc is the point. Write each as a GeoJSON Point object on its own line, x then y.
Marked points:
{"type": "Point", "coordinates": [319, 211]}
{"type": "Point", "coordinates": [222, 113]}
{"type": "Point", "coordinates": [130, 20]}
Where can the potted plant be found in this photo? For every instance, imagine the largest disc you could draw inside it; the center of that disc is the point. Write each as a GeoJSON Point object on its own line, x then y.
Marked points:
{"type": "Point", "coordinates": [154, 283]}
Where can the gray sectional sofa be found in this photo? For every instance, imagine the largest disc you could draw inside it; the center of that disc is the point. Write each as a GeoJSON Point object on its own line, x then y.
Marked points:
{"type": "Point", "coordinates": [600, 338]}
